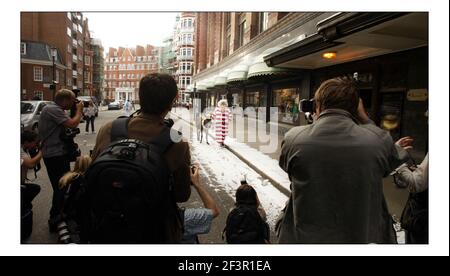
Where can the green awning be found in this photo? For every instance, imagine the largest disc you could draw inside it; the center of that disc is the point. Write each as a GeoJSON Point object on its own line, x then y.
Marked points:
{"type": "Point", "coordinates": [238, 73]}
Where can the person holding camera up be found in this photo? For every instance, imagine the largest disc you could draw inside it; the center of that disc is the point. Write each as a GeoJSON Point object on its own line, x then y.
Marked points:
{"type": "Point", "coordinates": [336, 166]}
{"type": "Point", "coordinates": [199, 220]}
{"type": "Point", "coordinates": [53, 122]}
{"type": "Point", "coordinates": [89, 116]}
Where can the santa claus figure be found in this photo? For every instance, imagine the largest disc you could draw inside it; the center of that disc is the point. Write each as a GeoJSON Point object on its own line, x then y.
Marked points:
{"type": "Point", "coordinates": [221, 117]}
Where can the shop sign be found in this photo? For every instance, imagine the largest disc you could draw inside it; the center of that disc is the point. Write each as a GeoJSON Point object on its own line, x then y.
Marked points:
{"type": "Point", "coordinates": [417, 95]}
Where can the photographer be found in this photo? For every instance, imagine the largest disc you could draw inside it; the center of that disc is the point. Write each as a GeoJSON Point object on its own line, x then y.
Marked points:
{"type": "Point", "coordinates": [28, 141]}
{"type": "Point", "coordinates": [28, 191]}
{"type": "Point", "coordinates": [199, 220]}
{"type": "Point", "coordinates": [53, 122]}
{"type": "Point", "coordinates": [336, 166]}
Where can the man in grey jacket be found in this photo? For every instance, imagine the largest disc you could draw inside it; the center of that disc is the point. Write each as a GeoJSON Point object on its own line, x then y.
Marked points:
{"type": "Point", "coordinates": [336, 166]}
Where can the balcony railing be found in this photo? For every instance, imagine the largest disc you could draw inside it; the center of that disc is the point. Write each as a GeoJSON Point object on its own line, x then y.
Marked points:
{"type": "Point", "coordinates": [181, 71]}
{"type": "Point", "coordinates": [185, 57]}
{"type": "Point", "coordinates": [187, 30]}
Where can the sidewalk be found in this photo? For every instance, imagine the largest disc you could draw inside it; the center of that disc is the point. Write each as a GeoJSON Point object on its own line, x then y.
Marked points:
{"type": "Point", "coordinates": [262, 163]}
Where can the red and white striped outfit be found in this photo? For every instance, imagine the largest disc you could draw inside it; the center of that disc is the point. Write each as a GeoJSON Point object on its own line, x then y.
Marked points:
{"type": "Point", "coordinates": [221, 122]}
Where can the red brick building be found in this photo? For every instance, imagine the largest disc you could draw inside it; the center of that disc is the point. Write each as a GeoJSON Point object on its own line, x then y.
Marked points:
{"type": "Point", "coordinates": [68, 33]}
{"type": "Point", "coordinates": [124, 68]}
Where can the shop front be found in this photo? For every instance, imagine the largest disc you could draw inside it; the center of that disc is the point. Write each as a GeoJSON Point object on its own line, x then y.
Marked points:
{"type": "Point", "coordinates": [386, 54]}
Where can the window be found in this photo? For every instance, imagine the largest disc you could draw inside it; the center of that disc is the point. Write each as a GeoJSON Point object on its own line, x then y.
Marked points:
{"type": "Point", "coordinates": [38, 94]}
{"type": "Point", "coordinates": [227, 19]}
{"type": "Point", "coordinates": [23, 48]}
{"type": "Point", "coordinates": [69, 82]}
{"type": "Point", "coordinates": [227, 45]}
{"type": "Point", "coordinates": [69, 32]}
{"type": "Point", "coordinates": [263, 19]}
{"type": "Point", "coordinates": [69, 48]}
{"type": "Point", "coordinates": [129, 58]}
{"type": "Point", "coordinates": [287, 100]}
{"type": "Point", "coordinates": [69, 16]}
{"type": "Point", "coordinates": [57, 76]}
{"type": "Point", "coordinates": [242, 26]}
{"type": "Point", "coordinates": [37, 72]}
{"type": "Point", "coordinates": [87, 60]}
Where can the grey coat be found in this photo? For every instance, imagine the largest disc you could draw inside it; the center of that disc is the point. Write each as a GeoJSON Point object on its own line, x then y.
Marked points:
{"type": "Point", "coordinates": [336, 167]}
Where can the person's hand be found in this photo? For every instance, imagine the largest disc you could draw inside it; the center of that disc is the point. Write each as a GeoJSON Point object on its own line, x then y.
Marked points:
{"type": "Point", "coordinates": [195, 179]}
{"type": "Point", "coordinates": [361, 112]}
{"type": "Point", "coordinates": [405, 142]}
{"type": "Point", "coordinates": [80, 106]}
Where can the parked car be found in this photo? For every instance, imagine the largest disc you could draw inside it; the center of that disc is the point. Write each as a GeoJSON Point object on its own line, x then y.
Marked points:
{"type": "Point", "coordinates": [115, 105]}
{"type": "Point", "coordinates": [29, 114]}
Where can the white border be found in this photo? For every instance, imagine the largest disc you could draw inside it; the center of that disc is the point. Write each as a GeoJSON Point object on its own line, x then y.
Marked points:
{"type": "Point", "coordinates": [438, 87]}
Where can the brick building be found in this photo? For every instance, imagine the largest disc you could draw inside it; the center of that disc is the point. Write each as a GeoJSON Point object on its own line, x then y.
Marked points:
{"type": "Point", "coordinates": [68, 33]}
{"type": "Point", "coordinates": [271, 59]}
{"type": "Point", "coordinates": [184, 47]}
{"type": "Point", "coordinates": [124, 67]}
{"type": "Point", "coordinates": [97, 69]}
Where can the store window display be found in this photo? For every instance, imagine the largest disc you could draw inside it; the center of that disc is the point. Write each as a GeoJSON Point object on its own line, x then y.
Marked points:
{"type": "Point", "coordinates": [287, 100]}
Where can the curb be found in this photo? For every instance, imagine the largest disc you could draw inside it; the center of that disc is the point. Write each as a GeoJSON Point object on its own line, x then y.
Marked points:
{"type": "Point", "coordinates": [275, 183]}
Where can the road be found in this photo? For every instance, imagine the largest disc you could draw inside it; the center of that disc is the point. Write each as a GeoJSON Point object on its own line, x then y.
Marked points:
{"type": "Point", "coordinates": [222, 194]}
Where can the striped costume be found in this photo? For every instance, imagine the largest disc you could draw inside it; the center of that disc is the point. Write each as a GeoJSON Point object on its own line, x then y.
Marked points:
{"type": "Point", "coordinates": [221, 122]}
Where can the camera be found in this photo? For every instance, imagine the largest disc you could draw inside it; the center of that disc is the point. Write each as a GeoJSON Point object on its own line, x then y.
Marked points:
{"type": "Point", "coordinates": [168, 122]}
{"type": "Point", "coordinates": [307, 106]}
{"type": "Point", "coordinates": [72, 149]}
{"type": "Point", "coordinates": [71, 132]}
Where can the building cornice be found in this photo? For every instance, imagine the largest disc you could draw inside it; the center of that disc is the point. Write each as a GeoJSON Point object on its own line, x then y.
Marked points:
{"type": "Point", "coordinates": [41, 62]}
{"type": "Point", "coordinates": [287, 24]}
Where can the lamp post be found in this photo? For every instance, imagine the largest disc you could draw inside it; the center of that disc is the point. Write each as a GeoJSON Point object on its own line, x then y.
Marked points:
{"type": "Point", "coordinates": [53, 86]}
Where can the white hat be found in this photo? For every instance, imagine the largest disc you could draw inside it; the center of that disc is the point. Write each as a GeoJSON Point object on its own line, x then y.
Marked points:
{"type": "Point", "coordinates": [223, 102]}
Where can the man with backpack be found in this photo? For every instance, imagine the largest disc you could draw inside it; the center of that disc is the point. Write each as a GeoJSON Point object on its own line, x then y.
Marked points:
{"type": "Point", "coordinates": [140, 170]}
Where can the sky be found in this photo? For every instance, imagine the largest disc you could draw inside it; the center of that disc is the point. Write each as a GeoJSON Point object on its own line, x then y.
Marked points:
{"type": "Point", "coordinates": [128, 29]}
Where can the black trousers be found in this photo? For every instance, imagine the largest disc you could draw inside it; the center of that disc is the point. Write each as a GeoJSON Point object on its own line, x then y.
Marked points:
{"type": "Point", "coordinates": [91, 121]}
{"type": "Point", "coordinates": [56, 168]}
{"type": "Point", "coordinates": [28, 191]}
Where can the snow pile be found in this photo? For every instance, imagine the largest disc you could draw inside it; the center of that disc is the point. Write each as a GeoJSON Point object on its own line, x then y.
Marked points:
{"type": "Point", "coordinates": [225, 169]}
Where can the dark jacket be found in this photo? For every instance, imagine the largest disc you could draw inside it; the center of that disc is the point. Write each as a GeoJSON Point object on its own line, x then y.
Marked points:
{"type": "Point", "coordinates": [336, 167]}
{"type": "Point", "coordinates": [144, 127]}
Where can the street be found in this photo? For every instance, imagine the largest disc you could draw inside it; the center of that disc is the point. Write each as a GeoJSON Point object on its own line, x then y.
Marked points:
{"type": "Point", "coordinates": [219, 172]}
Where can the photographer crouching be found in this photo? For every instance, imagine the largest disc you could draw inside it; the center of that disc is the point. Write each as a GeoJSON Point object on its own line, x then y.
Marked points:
{"type": "Point", "coordinates": [58, 149]}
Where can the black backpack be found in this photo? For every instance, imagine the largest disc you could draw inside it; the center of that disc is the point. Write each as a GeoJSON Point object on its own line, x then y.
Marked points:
{"type": "Point", "coordinates": [127, 190]}
{"type": "Point", "coordinates": [245, 226]}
